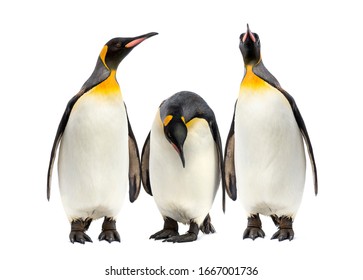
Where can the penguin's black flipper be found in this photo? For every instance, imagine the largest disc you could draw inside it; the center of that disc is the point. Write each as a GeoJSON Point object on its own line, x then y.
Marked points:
{"type": "Point", "coordinates": [261, 71]}
{"type": "Point", "coordinates": [134, 164]}
{"type": "Point", "coordinates": [61, 127]}
{"type": "Point", "coordinates": [300, 121]}
{"type": "Point", "coordinates": [228, 171]}
{"type": "Point", "coordinates": [217, 139]}
{"type": "Point", "coordinates": [145, 155]}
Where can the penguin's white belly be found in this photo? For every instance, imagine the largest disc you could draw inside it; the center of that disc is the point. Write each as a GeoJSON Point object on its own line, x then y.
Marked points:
{"type": "Point", "coordinates": [93, 158]}
{"type": "Point", "coordinates": [269, 154]}
{"type": "Point", "coordinates": [184, 194]}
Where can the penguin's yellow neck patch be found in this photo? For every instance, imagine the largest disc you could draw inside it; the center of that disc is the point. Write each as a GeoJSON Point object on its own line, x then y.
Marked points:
{"type": "Point", "coordinates": [192, 122]}
{"type": "Point", "coordinates": [109, 86]}
{"type": "Point", "coordinates": [252, 82]}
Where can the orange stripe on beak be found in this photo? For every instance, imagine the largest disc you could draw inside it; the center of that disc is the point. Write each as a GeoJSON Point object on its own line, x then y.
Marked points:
{"type": "Point", "coordinates": [252, 36]}
{"type": "Point", "coordinates": [134, 43]}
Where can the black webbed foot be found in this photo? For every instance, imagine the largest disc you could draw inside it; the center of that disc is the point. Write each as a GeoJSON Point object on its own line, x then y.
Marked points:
{"type": "Point", "coordinates": [187, 237]}
{"type": "Point", "coordinates": [163, 234]}
{"type": "Point", "coordinates": [170, 229]}
{"type": "Point", "coordinates": [78, 228]}
{"type": "Point", "coordinates": [109, 231]}
{"type": "Point", "coordinates": [254, 228]}
{"type": "Point", "coordinates": [285, 228]}
{"type": "Point", "coordinates": [190, 236]}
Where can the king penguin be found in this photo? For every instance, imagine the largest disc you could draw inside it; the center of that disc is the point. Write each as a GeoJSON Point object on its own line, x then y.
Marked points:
{"type": "Point", "coordinates": [181, 164]}
{"type": "Point", "coordinates": [264, 153]}
{"type": "Point", "coordinates": [98, 153]}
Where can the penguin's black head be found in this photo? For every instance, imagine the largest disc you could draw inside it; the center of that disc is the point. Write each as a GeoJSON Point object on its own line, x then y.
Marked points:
{"type": "Point", "coordinates": [175, 132]}
{"type": "Point", "coordinates": [118, 48]}
{"type": "Point", "coordinates": [250, 47]}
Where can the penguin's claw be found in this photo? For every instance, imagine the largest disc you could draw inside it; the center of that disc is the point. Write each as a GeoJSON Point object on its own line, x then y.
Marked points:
{"type": "Point", "coordinates": [253, 233]}
{"type": "Point", "coordinates": [285, 231]}
{"type": "Point", "coordinates": [79, 237]}
{"type": "Point", "coordinates": [284, 234]}
{"type": "Point", "coordinates": [109, 236]}
{"type": "Point", "coordinates": [109, 231]}
{"type": "Point", "coordinates": [164, 234]}
{"type": "Point", "coordinates": [78, 228]}
{"type": "Point", "coordinates": [188, 237]}
{"type": "Point", "coordinates": [254, 227]}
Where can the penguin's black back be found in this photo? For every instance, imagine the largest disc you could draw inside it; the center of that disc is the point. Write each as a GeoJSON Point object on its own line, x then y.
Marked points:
{"type": "Point", "coordinates": [187, 104]}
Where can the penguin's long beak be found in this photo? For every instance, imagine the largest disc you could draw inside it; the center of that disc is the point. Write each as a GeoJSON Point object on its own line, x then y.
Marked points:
{"type": "Point", "coordinates": [179, 150]}
{"type": "Point", "coordinates": [249, 34]}
{"type": "Point", "coordinates": [133, 42]}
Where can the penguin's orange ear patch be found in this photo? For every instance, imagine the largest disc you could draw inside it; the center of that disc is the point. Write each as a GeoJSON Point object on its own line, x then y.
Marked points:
{"type": "Point", "coordinates": [134, 43]}
{"type": "Point", "coordinates": [103, 55]}
{"type": "Point", "coordinates": [167, 120]}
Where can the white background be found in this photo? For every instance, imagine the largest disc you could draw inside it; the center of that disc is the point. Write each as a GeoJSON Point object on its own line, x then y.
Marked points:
{"type": "Point", "coordinates": [49, 49]}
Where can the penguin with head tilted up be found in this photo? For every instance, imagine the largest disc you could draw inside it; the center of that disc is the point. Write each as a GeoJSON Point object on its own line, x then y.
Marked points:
{"type": "Point", "coordinates": [98, 154]}
{"type": "Point", "coordinates": [264, 154]}
{"type": "Point", "coordinates": [181, 165]}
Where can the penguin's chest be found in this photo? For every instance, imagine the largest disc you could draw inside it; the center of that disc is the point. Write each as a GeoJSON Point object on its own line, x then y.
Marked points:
{"type": "Point", "coordinates": [269, 152]}
{"type": "Point", "coordinates": [184, 193]}
{"type": "Point", "coordinates": [93, 157]}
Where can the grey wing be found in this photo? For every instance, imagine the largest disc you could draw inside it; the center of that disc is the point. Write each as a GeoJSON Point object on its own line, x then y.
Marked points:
{"type": "Point", "coordinates": [228, 171]}
{"type": "Point", "coordinates": [134, 165]}
{"type": "Point", "coordinates": [61, 127]}
{"type": "Point", "coordinates": [218, 143]}
{"type": "Point", "coordinates": [300, 121]}
{"type": "Point", "coordinates": [145, 165]}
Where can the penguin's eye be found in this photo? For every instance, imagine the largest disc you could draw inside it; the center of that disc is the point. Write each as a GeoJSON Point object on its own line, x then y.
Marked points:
{"type": "Point", "coordinates": [118, 45]}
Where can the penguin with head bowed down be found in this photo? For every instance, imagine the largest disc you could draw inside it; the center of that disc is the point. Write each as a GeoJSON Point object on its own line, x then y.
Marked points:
{"type": "Point", "coordinates": [181, 165]}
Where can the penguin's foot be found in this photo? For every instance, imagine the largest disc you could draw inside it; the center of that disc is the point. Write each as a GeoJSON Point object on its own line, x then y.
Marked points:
{"type": "Point", "coordinates": [254, 228]}
{"type": "Point", "coordinates": [191, 235]}
{"type": "Point", "coordinates": [109, 232]}
{"type": "Point", "coordinates": [170, 229]}
{"type": "Point", "coordinates": [187, 237]}
{"type": "Point", "coordinates": [78, 228]}
{"type": "Point", "coordinates": [285, 228]}
{"type": "Point", "coordinates": [283, 234]}
{"type": "Point", "coordinates": [79, 236]}
{"type": "Point", "coordinates": [163, 234]}
{"type": "Point", "coordinates": [207, 226]}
